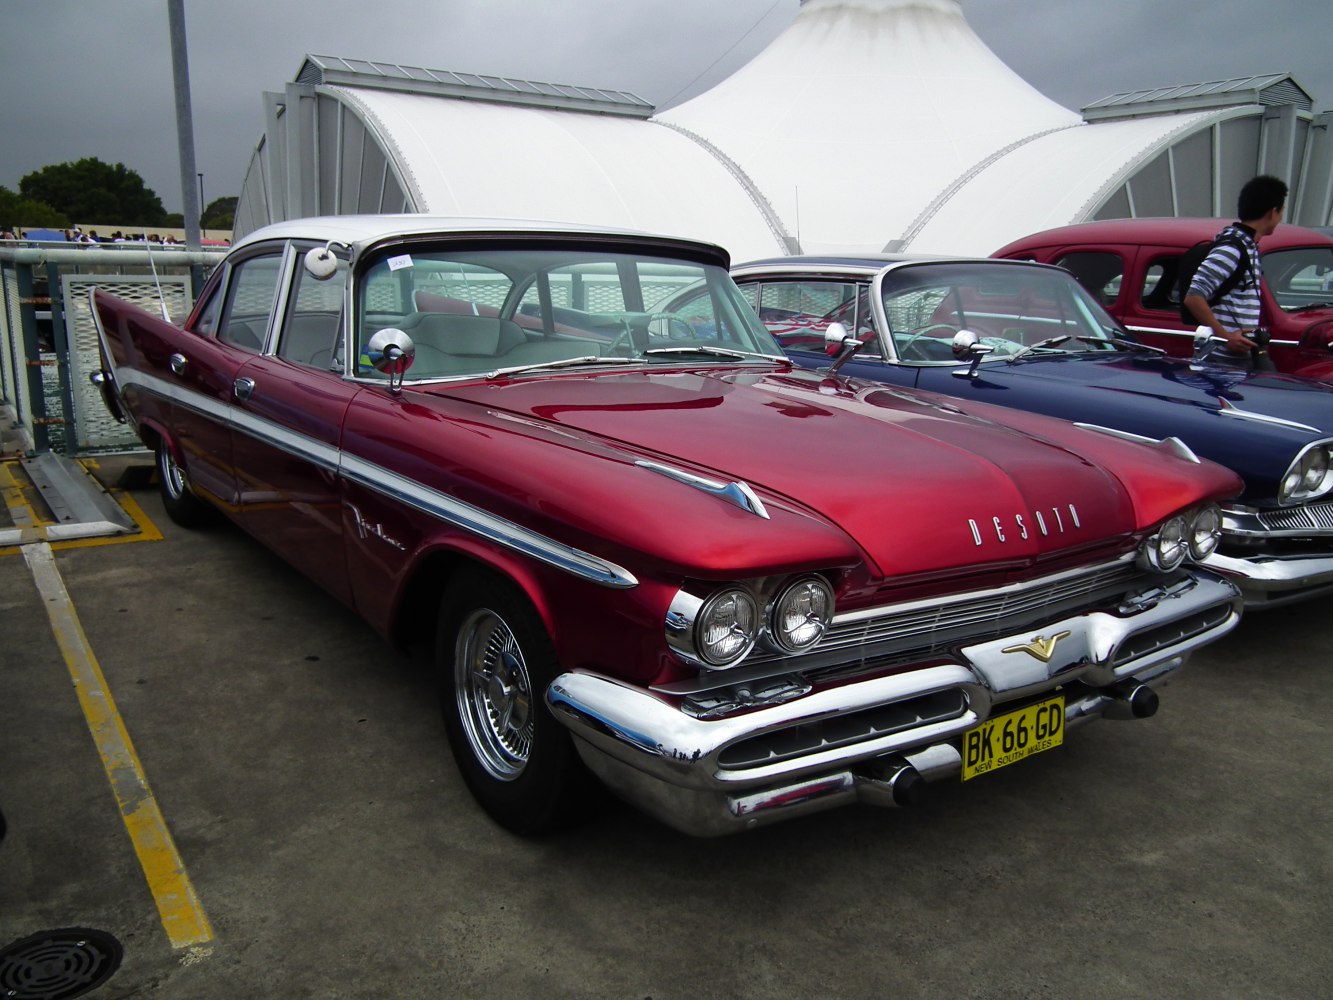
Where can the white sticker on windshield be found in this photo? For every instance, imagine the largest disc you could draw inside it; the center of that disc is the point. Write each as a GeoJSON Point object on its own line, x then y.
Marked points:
{"type": "Point", "coordinates": [400, 262]}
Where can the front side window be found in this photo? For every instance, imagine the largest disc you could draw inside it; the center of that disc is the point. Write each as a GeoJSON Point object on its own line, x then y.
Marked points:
{"type": "Point", "coordinates": [476, 311]}
{"type": "Point", "coordinates": [311, 322]}
{"type": "Point", "coordinates": [798, 312]}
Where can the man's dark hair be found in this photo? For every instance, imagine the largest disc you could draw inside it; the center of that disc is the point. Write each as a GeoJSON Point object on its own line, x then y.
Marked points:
{"type": "Point", "coordinates": [1259, 196]}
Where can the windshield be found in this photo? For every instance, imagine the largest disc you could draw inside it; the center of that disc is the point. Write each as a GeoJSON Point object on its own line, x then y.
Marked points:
{"type": "Point", "coordinates": [1300, 278]}
{"type": "Point", "coordinates": [495, 312]}
{"type": "Point", "coordinates": [1014, 309]}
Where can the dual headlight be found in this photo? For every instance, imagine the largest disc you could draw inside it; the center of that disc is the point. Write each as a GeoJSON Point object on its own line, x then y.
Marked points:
{"type": "Point", "coordinates": [1308, 476]}
{"type": "Point", "coordinates": [720, 630]}
{"type": "Point", "coordinates": [1194, 535]}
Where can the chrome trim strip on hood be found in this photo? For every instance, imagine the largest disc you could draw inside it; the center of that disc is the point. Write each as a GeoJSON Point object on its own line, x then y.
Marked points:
{"type": "Point", "coordinates": [738, 493]}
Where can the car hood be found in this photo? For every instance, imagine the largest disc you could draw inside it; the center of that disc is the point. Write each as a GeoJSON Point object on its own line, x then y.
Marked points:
{"type": "Point", "coordinates": [1252, 422]}
{"type": "Point", "coordinates": [920, 485]}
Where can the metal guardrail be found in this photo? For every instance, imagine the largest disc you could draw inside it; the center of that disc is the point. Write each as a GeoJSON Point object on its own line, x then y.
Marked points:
{"type": "Point", "coordinates": [48, 343]}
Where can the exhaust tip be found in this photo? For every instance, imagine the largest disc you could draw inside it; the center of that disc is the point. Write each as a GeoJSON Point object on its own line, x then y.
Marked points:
{"type": "Point", "coordinates": [1143, 702]}
{"type": "Point", "coordinates": [909, 788]}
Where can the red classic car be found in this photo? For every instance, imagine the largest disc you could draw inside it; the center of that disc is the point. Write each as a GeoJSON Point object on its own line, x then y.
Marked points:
{"type": "Point", "coordinates": [1131, 266]}
{"type": "Point", "coordinates": [643, 545]}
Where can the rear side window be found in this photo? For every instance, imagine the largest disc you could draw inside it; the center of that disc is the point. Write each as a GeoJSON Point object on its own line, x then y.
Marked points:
{"type": "Point", "coordinates": [250, 297]}
{"type": "Point", "coordinates": [1159, 284]}
{"type": "Point", "coordinates": [1099, 271]}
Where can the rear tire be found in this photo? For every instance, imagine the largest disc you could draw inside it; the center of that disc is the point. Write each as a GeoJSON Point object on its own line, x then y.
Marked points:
{"type": "Point", "coordinates": [495, 662]}
{"type": "Point", "coordinates": [182, 505]}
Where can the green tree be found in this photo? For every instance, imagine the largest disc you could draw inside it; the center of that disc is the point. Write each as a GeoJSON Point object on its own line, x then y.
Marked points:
{"type": "Point", "coordinates": [92, 191]}
{"type": "Point", "coordinates": [24, 213]}
{"type": "Point", "coordinates": [220, 214]}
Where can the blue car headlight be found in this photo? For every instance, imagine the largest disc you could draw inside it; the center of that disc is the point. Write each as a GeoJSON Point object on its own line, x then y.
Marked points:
{"type": "Point", "coordinates": [1309, 476]}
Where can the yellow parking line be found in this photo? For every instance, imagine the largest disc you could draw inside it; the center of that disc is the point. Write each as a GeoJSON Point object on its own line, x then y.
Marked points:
{"type": "Point", "coordinates": [182, 915]}
{"type": "Point", "coordinates": [28, 518]}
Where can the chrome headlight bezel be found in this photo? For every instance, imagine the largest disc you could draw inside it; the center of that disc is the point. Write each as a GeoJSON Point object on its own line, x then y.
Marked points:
{"type": "Point", "coordinates": [1165, 550]}
{"type": "Point", "coordinates": [805, 601]}
{"type": "Point", "coordinates": [1309, 476]}
{"type": "Point", "coordinates": [816, 595]}
{"type": "Point", "coordinates": [1205, 532]}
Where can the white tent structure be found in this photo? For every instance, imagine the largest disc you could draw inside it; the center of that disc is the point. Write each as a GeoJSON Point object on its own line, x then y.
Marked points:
{"type": "Point", "coordinates": [867, 125]}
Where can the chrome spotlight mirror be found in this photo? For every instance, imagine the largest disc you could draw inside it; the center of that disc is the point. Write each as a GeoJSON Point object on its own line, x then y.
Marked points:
{"type": "Point", "coordinates": [966, 345]}
{"type": "Point", "coordinates": [321, 263]}
{"type": "Point", "coordinates": [391, 351]}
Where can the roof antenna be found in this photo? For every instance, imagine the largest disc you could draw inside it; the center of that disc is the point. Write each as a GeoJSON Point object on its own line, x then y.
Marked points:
{"type": "Point", "coordinates": [161, 299]}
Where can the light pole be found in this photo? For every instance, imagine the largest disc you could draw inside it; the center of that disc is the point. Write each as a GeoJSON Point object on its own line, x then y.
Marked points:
{"type": "Point", "coordinates": [201, 204]}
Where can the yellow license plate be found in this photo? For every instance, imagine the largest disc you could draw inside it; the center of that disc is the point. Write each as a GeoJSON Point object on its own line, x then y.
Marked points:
{"type": "Point", "coordinates": [1007, 739]}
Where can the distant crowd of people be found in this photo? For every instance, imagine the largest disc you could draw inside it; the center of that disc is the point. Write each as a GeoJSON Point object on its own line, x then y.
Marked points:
{"type": "Point", "coordinates": [76, 235]}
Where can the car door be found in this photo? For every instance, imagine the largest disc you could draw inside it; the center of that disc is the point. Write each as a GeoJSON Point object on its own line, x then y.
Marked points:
{"type": "Point", "coordinates": [290, 401]}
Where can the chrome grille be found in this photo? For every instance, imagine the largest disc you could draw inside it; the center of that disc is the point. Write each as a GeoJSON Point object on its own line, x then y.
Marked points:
{"type": "Point", "coordinates": [1312, 517]}
{"type": "Point", "coordinates": [985, 611]}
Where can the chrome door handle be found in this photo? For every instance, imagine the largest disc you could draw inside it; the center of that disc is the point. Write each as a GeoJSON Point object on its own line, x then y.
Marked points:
{"type": "Point", "coordinates": [178, 363]}
{"type": "Point", "coordinates": [243, 387]}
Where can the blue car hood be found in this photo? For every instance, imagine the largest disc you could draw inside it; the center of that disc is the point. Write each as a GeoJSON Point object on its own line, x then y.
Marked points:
{"type": "Point", "coordinates": [1255, 423]}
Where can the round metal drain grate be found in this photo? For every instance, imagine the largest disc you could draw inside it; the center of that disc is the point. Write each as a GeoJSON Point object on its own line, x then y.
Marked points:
{"type": "Point", "coordinates": [57, 965]}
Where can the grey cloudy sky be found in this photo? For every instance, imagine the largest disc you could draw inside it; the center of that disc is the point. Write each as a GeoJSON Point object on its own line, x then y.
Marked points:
{"type": "Point", "coordinates": [94, 77]}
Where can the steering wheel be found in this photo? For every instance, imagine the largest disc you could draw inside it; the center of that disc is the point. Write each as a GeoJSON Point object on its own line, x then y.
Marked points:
{"type": "Point", "coordinates": [902, 348]}
{"type": "Point", "coordinates": [673, 327]}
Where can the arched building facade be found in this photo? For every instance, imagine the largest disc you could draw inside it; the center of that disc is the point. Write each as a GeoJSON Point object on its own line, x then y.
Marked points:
{"type": "Point", "coordinates": [866, 125]}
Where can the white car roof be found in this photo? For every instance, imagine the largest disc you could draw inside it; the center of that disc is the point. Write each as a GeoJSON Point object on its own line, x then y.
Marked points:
{"type": "Point", "coordinates": [360, 230]}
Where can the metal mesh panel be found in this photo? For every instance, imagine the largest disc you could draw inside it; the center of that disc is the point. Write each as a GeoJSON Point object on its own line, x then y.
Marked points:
{"type": "Point", "coordinates": [92, 426]}
{"type": "Point", "coordinates": [913, 310]}
{"type": "Point", "coordinates": [16, 381]}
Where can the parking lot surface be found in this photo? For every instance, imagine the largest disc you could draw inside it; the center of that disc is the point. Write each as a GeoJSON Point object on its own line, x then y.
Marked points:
{"type": "Point", "coordinates": [300, 767]}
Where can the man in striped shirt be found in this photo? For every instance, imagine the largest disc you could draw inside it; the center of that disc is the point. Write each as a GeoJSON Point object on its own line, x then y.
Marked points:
{"type": "Point", "coordinates": [1237, 313]}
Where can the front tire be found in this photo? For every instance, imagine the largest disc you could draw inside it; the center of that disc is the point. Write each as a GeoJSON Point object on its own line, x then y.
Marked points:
{"type": "Point", "coordinates": [495, 662]}
{"type": "Point", "coordinates": [182, 505]}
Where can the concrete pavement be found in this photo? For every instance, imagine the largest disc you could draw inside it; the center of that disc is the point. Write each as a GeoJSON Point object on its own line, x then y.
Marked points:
{"type": "Point", "coordinates": [301, 769]}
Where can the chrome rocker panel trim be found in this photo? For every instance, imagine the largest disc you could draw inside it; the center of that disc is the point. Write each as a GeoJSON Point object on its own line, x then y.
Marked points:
{"type": "Point", "coordinates": [670, 764]}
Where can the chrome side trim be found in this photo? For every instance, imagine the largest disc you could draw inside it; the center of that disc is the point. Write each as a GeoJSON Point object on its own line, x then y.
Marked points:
{"type": "Point", "coordinates": [381, 480]}
{"type": "Point", "coordinates": [489, 526]}
{"type": "Point", "coordinates": [737, 493]}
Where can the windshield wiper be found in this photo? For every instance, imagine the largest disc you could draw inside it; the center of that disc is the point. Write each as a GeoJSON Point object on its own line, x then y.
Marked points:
{"type": "Point", "coordinates": [1110, 338]}
{"type": "Point", "coordinates": [717, 352]}
{"type": "Point", "coordinates": [591, 359]}
{"type": "Point", "coordinates": [1039, 345]}
{"type": "Point", "coordinates": [1125, 342]}
{"type": "Point", "coordinates": [1308, 307]}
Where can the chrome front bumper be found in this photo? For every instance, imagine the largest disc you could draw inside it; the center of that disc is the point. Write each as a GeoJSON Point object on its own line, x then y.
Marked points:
{"type": "Point", "coordinates": [1269, 581]}
{"type": "Point", "coordinates": [871, 740]}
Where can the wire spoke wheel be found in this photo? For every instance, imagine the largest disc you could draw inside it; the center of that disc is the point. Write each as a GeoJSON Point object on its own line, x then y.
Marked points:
{"type": "Point", "coordinates": [173, 476]}
{"type": "Point", "coordinates": [494, 692]}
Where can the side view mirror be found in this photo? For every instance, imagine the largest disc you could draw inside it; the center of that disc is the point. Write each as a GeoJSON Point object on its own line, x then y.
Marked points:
{"type": "Point", "coordinates": [321, 263]}
{"type": "Point", "coordinates": [837, 340]}
{"type": "Point", "coordinates": [966, 345]}
{"type": "Point", "coordinates": [392, 352]}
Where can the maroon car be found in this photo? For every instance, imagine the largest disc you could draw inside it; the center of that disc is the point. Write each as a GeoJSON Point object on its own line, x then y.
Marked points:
{"type": "Point", "coordinates": [643, 546]}
{"type": "Point", "coordinates": [1131, 266]}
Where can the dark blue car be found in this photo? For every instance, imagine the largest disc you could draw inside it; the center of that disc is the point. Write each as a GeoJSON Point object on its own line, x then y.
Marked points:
{"type": "Point", "coordinates": [1028, 336]}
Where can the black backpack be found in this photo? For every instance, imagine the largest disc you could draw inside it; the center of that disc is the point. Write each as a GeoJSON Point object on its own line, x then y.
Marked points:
{"type": "Point", "coordinates": [1189, 263]}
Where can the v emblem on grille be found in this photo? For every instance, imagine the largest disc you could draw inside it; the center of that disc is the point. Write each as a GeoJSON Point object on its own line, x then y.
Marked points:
{"type": "Point", "coordinates": [1040, 647]}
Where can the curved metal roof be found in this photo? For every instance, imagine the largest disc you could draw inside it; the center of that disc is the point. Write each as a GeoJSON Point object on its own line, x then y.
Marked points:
{"type": "Point", "coordinates": [470, 158]}
{"type": "Point", "coordinates": [854, 118]}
